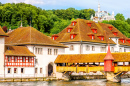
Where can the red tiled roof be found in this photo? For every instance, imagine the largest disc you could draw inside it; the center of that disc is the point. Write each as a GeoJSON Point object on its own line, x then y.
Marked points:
{"type": "Point", "coordinates": [82, 30]}
{"type": "Point", "coordinates": [29, 35]}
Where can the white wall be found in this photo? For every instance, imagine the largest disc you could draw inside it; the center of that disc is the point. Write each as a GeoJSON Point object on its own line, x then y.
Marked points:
{"type": "Point", "coordinates": [2, 48]}
{"type": "Point", "coordinates": [44, 59]}
{"type": "Point", "coordinates": [28, 72]}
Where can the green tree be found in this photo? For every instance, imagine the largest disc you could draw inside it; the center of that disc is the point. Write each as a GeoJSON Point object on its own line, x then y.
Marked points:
{"type": "Point", "coordinates": [128, 20]}
{"type": "Point", "coordinates": [120, 17]}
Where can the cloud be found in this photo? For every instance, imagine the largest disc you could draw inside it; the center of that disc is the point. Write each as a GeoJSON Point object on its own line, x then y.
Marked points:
{"type": "Point", "coordinates": [33, 2]}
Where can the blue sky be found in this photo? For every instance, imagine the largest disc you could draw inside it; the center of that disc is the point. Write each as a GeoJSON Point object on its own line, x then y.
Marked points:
{"type": "Point", "coordinates": [118, 6]}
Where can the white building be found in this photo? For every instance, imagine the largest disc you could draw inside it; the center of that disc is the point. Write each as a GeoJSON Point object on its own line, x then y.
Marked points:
{"type": "Point", "coordinates": [28, 53]}
{"type": "Point", "coordinates": [102, 15]}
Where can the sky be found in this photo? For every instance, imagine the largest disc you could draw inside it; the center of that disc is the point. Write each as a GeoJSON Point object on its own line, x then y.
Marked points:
{"type": "Point", "coordinates": [118, 6]}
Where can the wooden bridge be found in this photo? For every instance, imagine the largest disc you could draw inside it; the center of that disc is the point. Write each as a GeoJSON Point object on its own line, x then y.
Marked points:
{"type": "Point", "coordinates": [92, 63]}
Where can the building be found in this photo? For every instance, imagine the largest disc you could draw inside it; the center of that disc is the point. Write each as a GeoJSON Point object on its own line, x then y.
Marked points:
{"type": "Point", "coordinates": [84, 37]}
{"type": "Point", "coordinates": [26, 52]}
{"type": "Point", "coordinates": [102, 15]}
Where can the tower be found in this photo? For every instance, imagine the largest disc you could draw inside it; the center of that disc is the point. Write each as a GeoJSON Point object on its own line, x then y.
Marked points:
{"type": "Point", "coordinates": [108, 61]}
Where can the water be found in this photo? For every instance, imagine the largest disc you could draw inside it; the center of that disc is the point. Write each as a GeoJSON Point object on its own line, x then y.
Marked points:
{"type": "Point", "coordinates": [96, 82]}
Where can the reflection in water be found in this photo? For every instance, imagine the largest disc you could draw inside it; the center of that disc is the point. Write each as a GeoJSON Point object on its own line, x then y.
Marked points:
{"type": "Point", "coordinates": [96, 82]}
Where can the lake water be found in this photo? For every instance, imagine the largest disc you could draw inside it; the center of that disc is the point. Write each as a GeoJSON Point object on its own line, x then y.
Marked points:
{"type": "Point", "coordinates": [96, 82]}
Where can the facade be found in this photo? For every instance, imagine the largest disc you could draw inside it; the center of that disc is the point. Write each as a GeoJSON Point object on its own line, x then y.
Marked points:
{"type": "Point", "coordinates": [28, 53]}
{"type": "Point", "coordinates": [102, 15]}
{"type": "Point", "coordinates": [87, 37]}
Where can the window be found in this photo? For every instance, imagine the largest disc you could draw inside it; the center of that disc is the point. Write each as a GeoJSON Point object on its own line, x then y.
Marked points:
{"type": "Point", "coordinates": [120, 50]}
{"type": "Point", "coordinates": [103, 49]}
{"type": "Point", "coordinates": [93, 48]}
{"type": "Point", "coordinates": [68, 30]}
{"type": "Point", "coordinates": [36, 61]}
{"type": "Point", "coordinates": [29, 59]}
{"type": "Point", "coordinates": [9, 59]}
{"type": "Point", "coordinates": [101, 38]}
{"type": "Point", "coordinates": [38, 50]}
{"type": "Point", "coordinates": [73, 23]}
{"type": "Point", "coordinates": [15, 59]}
{"type": "Point", "coordinates": [15, 70]}
{"type": "Point", "coordinates": [35, 70]}
{"type": "Point", "coordinates": [124, 50]}
{"type": "Point", "coordinates": [71, 36]}
{"type": "Point", "coordinates": [87, 47]}
{"type": "Point", "coordinates": [49, 51]}
{"type": "Point", "coordinates": [112, 49]}
{"type": "Point", "coordinates": [23, 59]}
{"type": "Point", "coordinates": [92, 37]}
{"type": "Point", "coordinates": [9, 70]}
{"type": "Point", "coordinates": [71, 47]}
{"type": "Point", "coordinates": [55, 51]}
{"type": "Point", "coordinates": [22, 70]}
{"type": "Point", "coordinates": [40, 70]}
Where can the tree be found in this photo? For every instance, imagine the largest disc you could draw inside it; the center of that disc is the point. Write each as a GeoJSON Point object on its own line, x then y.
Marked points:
{"type": "Point", "coordinates": [128, 20]}
{"type": "Point", "coordinates": [120, 17]}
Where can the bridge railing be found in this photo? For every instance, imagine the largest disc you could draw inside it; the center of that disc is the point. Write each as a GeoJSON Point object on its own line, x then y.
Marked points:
{"type": "Point", "coordinates": [79, 69]}
{"type": "Point", "coordinates": [121, 68]}
{"type": "Point", "coordinates": [88, 69]}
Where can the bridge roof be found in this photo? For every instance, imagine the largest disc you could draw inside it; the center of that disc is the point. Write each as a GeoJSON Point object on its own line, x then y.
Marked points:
{"type": "Point", "coordinates": [84, 58]}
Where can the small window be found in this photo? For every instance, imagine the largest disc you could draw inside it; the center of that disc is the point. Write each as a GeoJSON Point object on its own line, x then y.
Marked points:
{"type": "Point", "coordinates": [22, 70]}
{"type": "Point", "coordinates": [124, 50]}
{"type": "Point", "coordinates": [72, 37]}
{"type": "Point", "coordinates": [103, 49]}
{"type": "Point", "coordinates": [49, 51]}
{"type": "Point", "coordinates": [38, 50]}
{"type": "Point", "coordinates": [35, 70]}
{"type": "Point", "coordinates": [87, 47]}
{"type": "Point", "coordinates": [9, 59]}
{"type": "Point", "coordinates": [9, 70]}
{"type": "Point", "coordinates": [112, 49]}
{"type": "Point", "coordinates": [15, 70]}
{"type": "Point", "coordinates": [71, 47]}
{"type": "Point", "coordinates": [15, 59]}
{"type": "Point", "coordinates": [23, 59]}
{"type": "Point", "coordinates": [36, 61]}
{"type": "Point", "coordinates": [40, 70]}
{"type": "Point", "coordinates": [92, 37]}
{"type": "Point", "coordinates": [55, 51]}
{"type": "Point", "coordinates": [73, 23]}
{"type": "Point", "coordinates": [29, 59]}
{"type": "Point", "coordinates": [68, 30]}
{"type": "Point", "coordinates": [120, 50]}
{"type": "Point", "coordinates": [101, 38]}
{"type": "Point", "coordinates": [93, 48]}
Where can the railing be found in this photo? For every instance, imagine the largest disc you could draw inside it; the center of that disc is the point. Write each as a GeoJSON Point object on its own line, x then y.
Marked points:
{"type": "Point", "coordinates": [121, 68]}
{"type": "Point", "coordinates": [90, 69]}
{"type": "Point", "coordinates": [79, 69]}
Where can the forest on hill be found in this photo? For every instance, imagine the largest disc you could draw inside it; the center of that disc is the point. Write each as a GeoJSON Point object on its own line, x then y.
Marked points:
{"type": "Point", "coordinates": [50, 21]}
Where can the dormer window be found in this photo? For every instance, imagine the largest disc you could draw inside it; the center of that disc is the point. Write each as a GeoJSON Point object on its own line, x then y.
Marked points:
{"type": "Point", "coordinates": [89, 24]}
{"type": "Point", "coordinates": [122, 40]}
{"type": "Point", "coordinates": [94, 31]}
{"type": "Point", "coordinates": [128, 40]}
{"type": "Point", "coordinates": [115, 33]}
{"type": "Point", "coordinates": [110, 27]}
{"type": "Point", "coordinates": [69, 30]}
{"type": "Point", "coordinates": [54, 37]}
{"type": "Point", "coordinates": [101, 38]}
{"type": "Point", "coordinates": [73, 23]}
{"type": "Point", "coordinates": [91, 36]}
{"type": "Point", "coordinates": [72, 36]}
